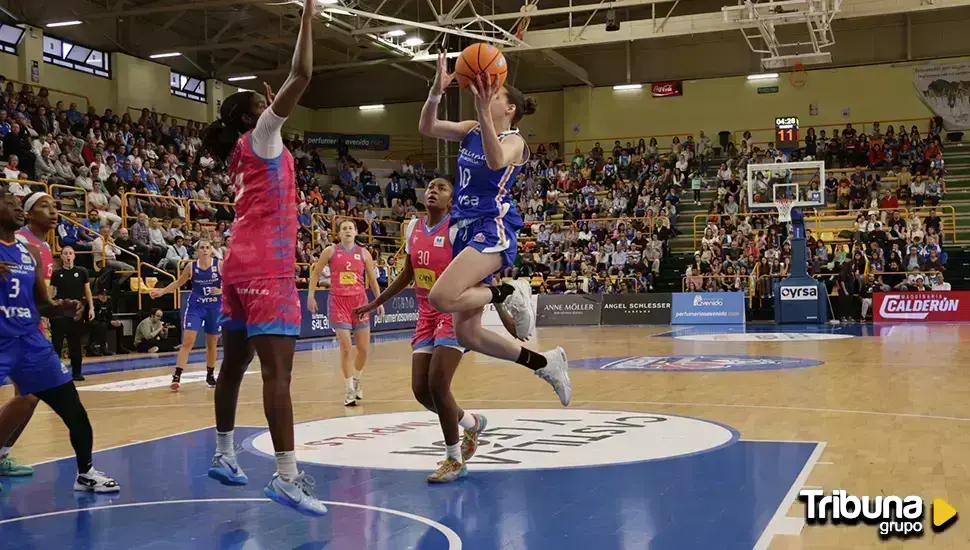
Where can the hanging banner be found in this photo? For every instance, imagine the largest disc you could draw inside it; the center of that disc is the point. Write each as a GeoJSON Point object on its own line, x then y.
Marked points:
{"type": "Point", "coordinates": [945, 89]}
{"type": "Point", "coordinates": [329, 140]}
{"type": "Point", "coordinates": [670, 88]}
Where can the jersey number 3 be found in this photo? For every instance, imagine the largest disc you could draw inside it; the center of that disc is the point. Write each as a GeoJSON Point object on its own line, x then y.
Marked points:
{"type": "Point", "coordinates": [15, 288]}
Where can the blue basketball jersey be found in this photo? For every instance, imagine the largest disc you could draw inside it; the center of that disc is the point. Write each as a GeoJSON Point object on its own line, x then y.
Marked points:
{"type": "Point", "coordinates": [18, 312]}
{"type": "Point", "coordinates": [481, 192]}
{"type": "Point", "coordinates": [204, 283]}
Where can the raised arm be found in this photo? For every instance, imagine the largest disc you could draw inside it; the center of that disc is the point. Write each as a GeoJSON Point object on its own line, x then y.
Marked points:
{"type": "Point", "coordinates": [301, 71]}
{"type": "Point", "coordinates": [430, 125]}
{"type": "Point", "coordinates": [183, 278]}
{"type": "Point", "coordinates": [499, 153]}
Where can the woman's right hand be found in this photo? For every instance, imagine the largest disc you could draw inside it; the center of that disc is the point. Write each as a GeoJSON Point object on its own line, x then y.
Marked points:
{"type": "Point", "coordinates": [156, 293]}
{"type": "Point", "coordinates": [360, 312]}
{"type": "Point", "coordinates": [442, 79]}
{"type": "Point", "coordinates": [311, 304]}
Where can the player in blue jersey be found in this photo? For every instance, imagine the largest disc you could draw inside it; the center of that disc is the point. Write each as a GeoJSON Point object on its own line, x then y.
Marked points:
{"type": "Point", "coordinates": [202, 313]}
{"type": "Point", "coordinates": [26, 357]}
{"type": "Point", "coordinates": [491, 155]}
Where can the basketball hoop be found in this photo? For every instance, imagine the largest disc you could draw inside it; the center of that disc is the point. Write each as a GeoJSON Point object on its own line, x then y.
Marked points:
{"type": "Point", "coordinates": [784, 206]}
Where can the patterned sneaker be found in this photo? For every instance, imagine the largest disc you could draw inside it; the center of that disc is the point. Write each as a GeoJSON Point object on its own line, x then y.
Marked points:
{"type": "Point", "coordinates": [556, 372]}
{"type": "Point", "coordinates": [358, 390]}
{"type": "Point", "coordinates": [448, 470]}
{"type": "Point", "coordinates": [210, 378]}
{"type": "Point", "coordinates": [225, 469]}
{"type": "Point", "coordinates": [176, 380]}
{"type": "Point", "coordinates": [95, 482]}
{"type": "Point", "coordinates": [297, 494]}
{"type": "Point", "coordinates": [469, 439]}
{"type": "Point", "coordinates": [350, 400]}
{"type": "Point", "coordinates": [11, 468]}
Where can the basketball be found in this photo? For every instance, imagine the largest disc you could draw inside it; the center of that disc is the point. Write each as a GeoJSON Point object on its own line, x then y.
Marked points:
{"type": "Point", "coordinates": [479, 58]}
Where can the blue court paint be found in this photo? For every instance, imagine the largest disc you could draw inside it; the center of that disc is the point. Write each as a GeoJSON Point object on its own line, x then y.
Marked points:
{"type": "Point", "coordinates": [720, 499]}
{"type": "Point", "coordinates": [693, 363]}
{"type": "Point", "coordinates": [855, 329]}
{"type": "Point", "coordinates": [138, 362]}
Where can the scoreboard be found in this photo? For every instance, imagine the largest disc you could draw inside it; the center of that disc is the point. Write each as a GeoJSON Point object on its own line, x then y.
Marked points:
{"type": "Point", "coordinates": [787, 135]}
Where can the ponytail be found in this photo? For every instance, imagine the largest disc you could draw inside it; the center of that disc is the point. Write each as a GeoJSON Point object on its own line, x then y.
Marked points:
{"type": "Point", "coordinates": [220, 137]}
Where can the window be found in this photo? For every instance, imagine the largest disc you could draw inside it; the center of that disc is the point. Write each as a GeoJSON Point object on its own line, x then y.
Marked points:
{"type": "Point", "coordinates": [10, 38]}
{"type": "Point", "coordinates": [74, 56]}
{"type": "Point", "coordinates": [188, 87]}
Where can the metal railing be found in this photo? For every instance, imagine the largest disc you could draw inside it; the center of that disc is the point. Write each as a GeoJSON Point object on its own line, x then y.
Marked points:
{"type": "Point", "coordinates": [152, 198]}
{"type": "Point", "coordinates": [584, 281]}
{"type": "Point", "coordinates": [695, 283]}
{"type": "Point", "coordinates": [35, 85]}
{"type": "Point", "coordinates": [765, 136]}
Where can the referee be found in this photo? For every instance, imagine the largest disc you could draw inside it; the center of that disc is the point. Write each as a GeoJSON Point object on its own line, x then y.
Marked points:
{"type": "Point", "coordinates": [71, 282]}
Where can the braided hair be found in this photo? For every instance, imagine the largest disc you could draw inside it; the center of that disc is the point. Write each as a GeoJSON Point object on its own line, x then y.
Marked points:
{"type": "Point", "coordinates": [235, 119]}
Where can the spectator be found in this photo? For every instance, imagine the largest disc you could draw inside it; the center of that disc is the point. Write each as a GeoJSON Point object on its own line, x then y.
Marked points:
{"type": "Point", "coordinates": [106, 252]}
{"type": "Point", "coordinates": [151, 335]}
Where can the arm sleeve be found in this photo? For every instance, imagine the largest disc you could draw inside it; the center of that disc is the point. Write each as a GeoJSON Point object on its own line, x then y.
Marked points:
{"type": "Point", "coordinates": [407, 234]}
{"type": "Point", "coordinates": [267, 137]}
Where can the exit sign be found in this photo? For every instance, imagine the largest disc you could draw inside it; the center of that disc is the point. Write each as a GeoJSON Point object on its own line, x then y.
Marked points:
{"type": "Point", "coordinates": [768, 90]}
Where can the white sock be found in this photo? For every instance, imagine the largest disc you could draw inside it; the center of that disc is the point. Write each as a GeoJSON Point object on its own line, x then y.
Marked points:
{"type": "Point", "coordinates": [224, 443]}
{"type": "Point", "coordinates": [453, 452]}
{"type": "Point", "coordinates": [286, 465]}
{"type": "Point", "coordinates": [468, 421]}
{"type": "Point", "coordinates": [4, 451]}
{"type": "Point", "coordinates": [349, 382]}
{"type": "Point", "coordinates": [357, 375]}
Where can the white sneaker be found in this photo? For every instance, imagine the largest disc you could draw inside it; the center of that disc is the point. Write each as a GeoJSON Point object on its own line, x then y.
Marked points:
{"type": "Point", "coordinates": [351, 399]}
{"type": "Point", "coordinates": [358, 390]}
{"type": "Point", "coordinates": [519, 307]}
{"type": "Point", "coordinates": [556, 372]}
{"type": "Point", "coordinates": [297, 494]}
{"type": "Point", "coordinates": [96, 482]}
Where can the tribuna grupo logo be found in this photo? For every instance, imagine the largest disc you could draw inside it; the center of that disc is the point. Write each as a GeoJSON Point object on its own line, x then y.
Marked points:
{"type": "Point", "coordinates": [895, 516]}
{"type": "Point", "coordinates": [917, 306]}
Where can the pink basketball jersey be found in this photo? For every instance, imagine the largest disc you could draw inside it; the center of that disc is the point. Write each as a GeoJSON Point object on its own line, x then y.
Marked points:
{"type": "Point", "coordinates": [263, 243]}
{"type": "Point", "coordinates": [46, 256]}
{"type": "Point", "coordinates": [430, 251]}
{"type": "Point", "coordinates": [346, 271]}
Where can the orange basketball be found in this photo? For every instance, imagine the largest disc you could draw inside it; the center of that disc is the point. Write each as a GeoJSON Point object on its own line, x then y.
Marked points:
{"type": "Point", "coordinates": [479, 58]}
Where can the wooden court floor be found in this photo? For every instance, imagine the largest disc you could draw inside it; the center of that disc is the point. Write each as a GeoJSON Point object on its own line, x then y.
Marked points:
{"type": "Point", "coordinates": [892, 409]}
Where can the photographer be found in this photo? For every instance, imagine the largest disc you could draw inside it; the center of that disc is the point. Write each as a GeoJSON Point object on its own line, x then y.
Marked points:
{"type": "Point", "coordinates": [151, 336]}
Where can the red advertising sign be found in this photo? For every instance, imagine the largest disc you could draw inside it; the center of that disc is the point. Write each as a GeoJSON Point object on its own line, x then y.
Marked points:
{"type": "Point", "coordinates": [921, 307]}
{"type": "Point", "coordinates": [670, 88]}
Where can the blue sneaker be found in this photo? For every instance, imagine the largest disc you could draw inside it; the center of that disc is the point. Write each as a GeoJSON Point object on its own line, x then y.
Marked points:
{"type": "Point", "coordinates": [297, 494]}
{"type": "Point", "coordinates": [11, 468]}
{"type": "Point", "coordinates": [227, 470]}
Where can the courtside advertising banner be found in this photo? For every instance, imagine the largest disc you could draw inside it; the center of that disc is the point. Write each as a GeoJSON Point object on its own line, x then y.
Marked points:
{"type": "Point", "coordinates": [921, 307]}
{"type": "Point", "coordinates": [400, 313]}
{"type": "Point", "coordinates": [568, 309]}
{"type": "Point", "coordinates": [708, 308]}
{"type": "Point", "coordinates": [636, 309]}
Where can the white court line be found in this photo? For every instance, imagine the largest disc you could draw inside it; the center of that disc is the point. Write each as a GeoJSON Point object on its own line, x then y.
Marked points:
{"type": "Point", "coordinates": [554, 401]}
{"type": "Point", "coordinates": [823, 463]}
{"type": "Point", "coordinates": [454, 541]}
{"type": "Point", "coordinates": [780, 524]}
{"type": "Point", "coordinates": [130, 444]}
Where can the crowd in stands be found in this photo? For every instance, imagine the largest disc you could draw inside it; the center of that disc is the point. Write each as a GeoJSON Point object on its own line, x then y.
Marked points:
{"type": "Point", "coordinates": [888, 183]}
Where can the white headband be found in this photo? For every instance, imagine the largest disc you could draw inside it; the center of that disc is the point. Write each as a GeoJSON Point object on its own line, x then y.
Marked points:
{"type": "Point", "coordinates": [32, 200]}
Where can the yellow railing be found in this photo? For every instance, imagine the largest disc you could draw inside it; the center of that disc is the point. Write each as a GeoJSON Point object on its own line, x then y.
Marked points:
{"type": "Point", "coordinates": [695, 283]}
{"type": "Point", "coordinates": [330, 224]}
{"type": "Point", "coordinates": [820, 221]}
{"type": "Point", "coordinates": [149, 197]}
{"type": "Point", "coordinates": [53, 101]}
{"type": "Point", "coordinates": [584, 281]}
{"type": "Point", "coordinates": [188, 210]}
{"type": "Point", "coordinates": [33, 186]}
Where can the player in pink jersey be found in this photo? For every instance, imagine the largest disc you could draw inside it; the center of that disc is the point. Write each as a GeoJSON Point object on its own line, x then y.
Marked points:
{"type": "Point", "coordinates": [428, 243]}
{"type": "Point", "coordinates": [261, 308]}
{"type": "Point", "coordinates": [41, 220]}
{"type": "Point", "coordinates": [349, 265]}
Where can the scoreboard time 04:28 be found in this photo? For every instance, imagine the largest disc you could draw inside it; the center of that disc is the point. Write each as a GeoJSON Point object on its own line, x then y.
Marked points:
{"type": "Point", "coordinates": [786, 132]}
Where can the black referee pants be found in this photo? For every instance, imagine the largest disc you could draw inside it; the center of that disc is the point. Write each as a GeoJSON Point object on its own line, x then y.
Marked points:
{"type": "Point", "coordinates": [72, 330]}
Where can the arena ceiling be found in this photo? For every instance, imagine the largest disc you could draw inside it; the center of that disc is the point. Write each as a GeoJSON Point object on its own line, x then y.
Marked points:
{"type": "Point", "coordinates": [566, 42]}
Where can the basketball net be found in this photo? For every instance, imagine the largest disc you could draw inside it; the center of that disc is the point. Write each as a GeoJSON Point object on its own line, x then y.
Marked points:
{"type": "Point", "coordinates": [784, 206]}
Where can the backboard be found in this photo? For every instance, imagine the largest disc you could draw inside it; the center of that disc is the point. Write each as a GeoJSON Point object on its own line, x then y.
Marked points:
{"type": "Point", "coordinates": [804, 182]}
